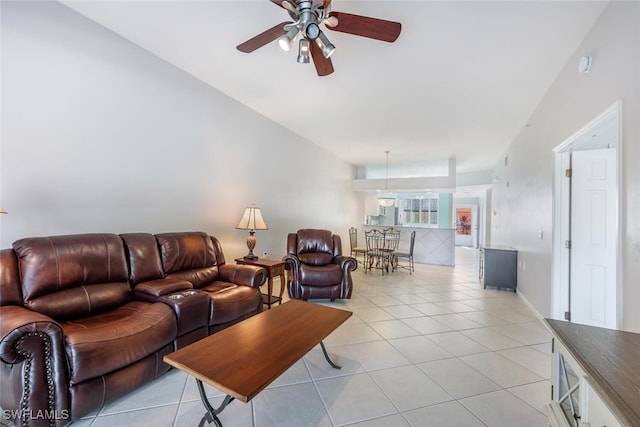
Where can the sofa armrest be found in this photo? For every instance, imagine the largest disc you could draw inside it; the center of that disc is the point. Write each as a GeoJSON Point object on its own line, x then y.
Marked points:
{"type": "Point", "coordinates": [15, 324]}
{"type": "Point", "coordinates": [160, 287]}
{"type": "Point", "coordinates": [33, 365]}
{"type": "Point", "coordinates": [242, 274]}
{"type": "Point", "coordinates": [190, 306]}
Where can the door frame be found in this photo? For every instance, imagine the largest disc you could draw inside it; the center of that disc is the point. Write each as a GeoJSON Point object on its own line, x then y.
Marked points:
{"type": "Point", "coordinates": [561, 261]}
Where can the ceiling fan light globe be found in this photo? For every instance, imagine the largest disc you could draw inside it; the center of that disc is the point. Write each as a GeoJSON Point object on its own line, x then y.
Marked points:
{"type": "Point", "coordinates": [286, 41]}
{"type": "Point", "coordinates": [303, 52]}
{"type": "Point", "coordinates": [325, 45]}
{"type": "Point", "coordinates": [327, 50]}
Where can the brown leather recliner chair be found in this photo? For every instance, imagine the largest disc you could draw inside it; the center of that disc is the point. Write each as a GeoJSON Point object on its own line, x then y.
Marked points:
{"type": "Point", "coordinates": [317, 268]}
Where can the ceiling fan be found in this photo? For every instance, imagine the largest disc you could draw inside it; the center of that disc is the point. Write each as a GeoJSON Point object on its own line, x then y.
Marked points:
{"type": "Point", "coordinates": [308, 16]}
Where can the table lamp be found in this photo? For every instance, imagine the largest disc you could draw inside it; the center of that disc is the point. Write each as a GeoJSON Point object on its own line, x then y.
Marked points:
{"type": "Point", "coordinates": [252, 220]}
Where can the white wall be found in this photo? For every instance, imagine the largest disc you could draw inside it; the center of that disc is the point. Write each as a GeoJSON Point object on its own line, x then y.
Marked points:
{"type": "Point", "coordinates": [525, 206]}
{"type": "Point", "coordinates": [98, 135]}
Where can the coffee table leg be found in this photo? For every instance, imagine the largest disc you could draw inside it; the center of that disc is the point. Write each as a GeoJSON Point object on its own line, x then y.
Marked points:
{"type": "Point", "coordinates": [326, 356]}
{"type": "Point", "coordinates": [211, 415]}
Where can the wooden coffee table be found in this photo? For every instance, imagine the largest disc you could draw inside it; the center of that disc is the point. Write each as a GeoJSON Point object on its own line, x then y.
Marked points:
{"type": "Point", "coordinates": [245, 358]}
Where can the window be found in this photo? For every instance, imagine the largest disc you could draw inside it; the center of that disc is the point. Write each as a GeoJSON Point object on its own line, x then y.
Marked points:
{"type": "Point", "coordinates": [420, 211]}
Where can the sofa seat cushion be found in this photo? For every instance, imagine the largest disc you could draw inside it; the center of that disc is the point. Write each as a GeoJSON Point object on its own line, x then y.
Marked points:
{"type": "Point", "coordinates": [230, 301]}
{"type": "Point", "coordinates": [326, 275]}
{"type": "Point", "coordinates": [198, 277]}
{"type": "Point", "coordinates": [104, 343]}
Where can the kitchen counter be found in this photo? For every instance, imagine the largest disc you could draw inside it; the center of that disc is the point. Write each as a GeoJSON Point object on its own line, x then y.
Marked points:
{"type": "Point", "coordinates": [432, 246]}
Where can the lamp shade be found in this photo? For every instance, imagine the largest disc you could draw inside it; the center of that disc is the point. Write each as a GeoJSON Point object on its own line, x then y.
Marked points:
{"type": "Point", "coordinates": [252, 220]}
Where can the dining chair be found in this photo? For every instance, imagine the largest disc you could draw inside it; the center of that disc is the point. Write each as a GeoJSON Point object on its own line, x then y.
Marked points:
{"type": "Point", "coordinates": [374, 240]}
{"type": "Point", "coordinates": [355, 249]}
{"type": "Point", "coordinates": [380, 247]}
{"type": "Point", "coordinates": [391, 242]}
{"type": "Point", "coordinates": [406, 255]}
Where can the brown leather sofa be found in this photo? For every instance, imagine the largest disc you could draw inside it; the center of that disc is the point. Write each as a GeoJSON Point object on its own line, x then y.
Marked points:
{"type": "Point", "coordinates": [84, 319]}
{"type": "Point", "coordinates": [317, 268]}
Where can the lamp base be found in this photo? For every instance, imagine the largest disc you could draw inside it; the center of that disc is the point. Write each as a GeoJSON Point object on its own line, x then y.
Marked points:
{"type": "Point", "coordinates": [251, 243]}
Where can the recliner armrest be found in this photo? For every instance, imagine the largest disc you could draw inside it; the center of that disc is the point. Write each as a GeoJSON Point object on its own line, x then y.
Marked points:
{"type": "Point", "coordinates": [292, 263]}
{"type": "Point", "coordinates": [346, 263]}
{"type": "Point", "coordinates": [160, 287]}
{"type": "Point", "coordinates": [243, 274]}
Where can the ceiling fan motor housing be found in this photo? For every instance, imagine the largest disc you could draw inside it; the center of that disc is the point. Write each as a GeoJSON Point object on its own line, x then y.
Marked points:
{"type": "Point", "coordinates": [308, 20]}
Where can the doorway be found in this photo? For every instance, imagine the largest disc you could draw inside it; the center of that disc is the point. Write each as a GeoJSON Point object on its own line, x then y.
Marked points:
{"type": "Point", "coordinates": [467, 225]}
{"type": "Point", "coordinates": [586, 238]}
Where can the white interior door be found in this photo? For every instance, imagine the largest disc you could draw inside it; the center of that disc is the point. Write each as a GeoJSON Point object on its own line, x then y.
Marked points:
{"type": "Point", "coordinates": [593, 237]}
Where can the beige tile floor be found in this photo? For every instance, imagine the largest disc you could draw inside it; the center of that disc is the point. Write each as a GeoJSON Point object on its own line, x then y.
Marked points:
{"type": "Point", "coordinates": [428, 349]}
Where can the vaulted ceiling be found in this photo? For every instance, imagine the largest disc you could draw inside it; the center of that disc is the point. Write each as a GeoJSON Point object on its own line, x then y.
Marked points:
{"type": "Point", "coordinates": [461, 81]}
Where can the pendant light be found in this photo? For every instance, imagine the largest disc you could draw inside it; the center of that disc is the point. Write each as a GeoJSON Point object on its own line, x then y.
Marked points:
{"type": "Point", "coordinates": [386, 200]}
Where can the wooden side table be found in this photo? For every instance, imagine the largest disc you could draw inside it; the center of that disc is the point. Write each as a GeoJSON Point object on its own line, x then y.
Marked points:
{"type": "Point", "coordinates": [274, 268]}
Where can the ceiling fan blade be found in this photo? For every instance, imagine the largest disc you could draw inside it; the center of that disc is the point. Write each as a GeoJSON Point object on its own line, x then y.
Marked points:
{"type": "Point", "coordinates": [323, 65]}
{"type": "Point", "coordinates": [263, 38]}
{"type": "Point", "coordinates": [326, 4]}
{"type": "Point", "coordinates": [364, 26]}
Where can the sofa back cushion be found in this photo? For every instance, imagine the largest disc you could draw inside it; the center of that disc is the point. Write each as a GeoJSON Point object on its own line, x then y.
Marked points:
{"type": "Point", "coordinates": [67, 277]}
{"type": "Point", "coordinates": [188, 256]}
{"type": "Point", "coordinates": [315, 247]}
{"type": "Point", "coordinates": [144, 257]}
